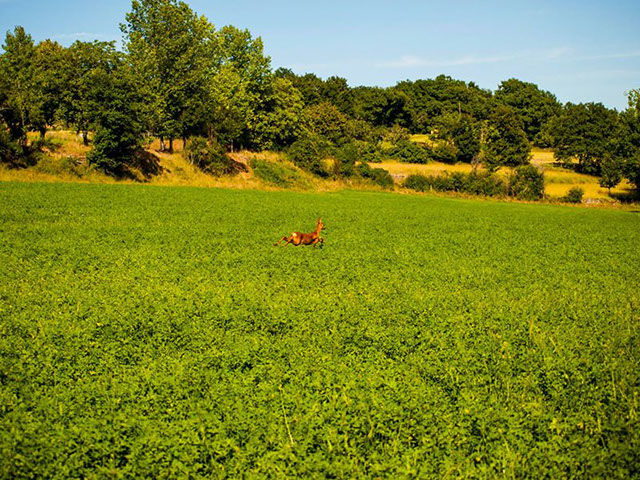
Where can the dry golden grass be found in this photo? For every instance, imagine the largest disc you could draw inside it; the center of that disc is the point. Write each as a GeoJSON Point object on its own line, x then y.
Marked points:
{"type": "Point", "coordinates": [176, 170]}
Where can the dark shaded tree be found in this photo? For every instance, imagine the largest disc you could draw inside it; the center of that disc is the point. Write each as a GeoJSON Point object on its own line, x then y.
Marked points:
{"type": "Point", "coordinates": [586, 131]}
{"type": "Point", "coordinates": [506, 143]}
{"type": "Point", "coordinates": [534, 106]}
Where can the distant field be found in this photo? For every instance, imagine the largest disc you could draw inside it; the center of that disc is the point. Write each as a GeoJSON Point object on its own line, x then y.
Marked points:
{"type": "Point", "coordinates": [155, 332]}
{"type": "Point", "coordinates": [558, 180]}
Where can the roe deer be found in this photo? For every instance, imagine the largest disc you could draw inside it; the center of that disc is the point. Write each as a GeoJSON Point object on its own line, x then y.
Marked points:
{"type": "Point", "coordinates": [297, 238]}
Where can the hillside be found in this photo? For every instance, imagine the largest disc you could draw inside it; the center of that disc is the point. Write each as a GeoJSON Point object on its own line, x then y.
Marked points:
{"type": "Point", "coordinates": [67, 163]}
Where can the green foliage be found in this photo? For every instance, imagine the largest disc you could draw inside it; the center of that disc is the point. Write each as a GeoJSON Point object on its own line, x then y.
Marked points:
{"type": "Point", "coordinates": [475, 183]}
{"type": "Point", "coordinates": [279, 174]}
{"type": "Point", "coordinates": [86, 63]}
{"type": "Point", "coordinates": [506, 142]}
{"type": "Point", "coordinates": [410, 152]}
{"type": "Point", "coordinates": [574, 195]}
{"type": "Point", "coordinates": [277, 124]}
{"type": "Point", "coordinates": [154, 332]}
{"type": "Point", "coordinates": [308, 153]}
{"type": "Point", "coordinates": [445, 152]}
{"type": "Point", "coordinates": [379, 176]}
{"type": "Point", "coordinates": [60, 166]}
{"type": "Point", "coordinates": [430, 101]}
{"type": "Point", "coordinates": [326, 121]}
{"type": "Point", "coordinates": [209, 157]}
{"type": "Point", "coordinates": [586, 132]}
{"type": "Point", "coordinates": [611, 172]}
{"type": "Point", "coordinates": [526, 183]}
{"type": "Point", "coordinates": [465, 135]}
{"type": "Point", "coordinates": [381, 107]}
{"type": "Point", "coordinates": [533, 106]}
{"type": "Point", "coordinates": [417, 182]}
{"type": "Point", "coordinates": [115, 102]}
{"type": "Point", "coordinates": [20, 94]}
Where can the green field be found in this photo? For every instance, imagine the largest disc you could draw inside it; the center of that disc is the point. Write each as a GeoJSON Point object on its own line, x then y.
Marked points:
{"type": "Point", "coordinates": [156, 332]}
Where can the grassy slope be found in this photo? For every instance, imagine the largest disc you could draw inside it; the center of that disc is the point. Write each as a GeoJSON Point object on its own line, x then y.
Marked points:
{"type": "Point", "coordinates": [177, 171]}
{"type": "Point", "coordinates": [151, 331]}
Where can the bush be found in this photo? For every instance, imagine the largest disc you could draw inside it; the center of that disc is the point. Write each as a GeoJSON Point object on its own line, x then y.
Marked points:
{"type": "Point", "coordinates": [379, 176]}
{"type": "Point", "coordinates": [526, 183]}
{"type": "Point", "coordinates": [486, 183]}
{"type": "Point", "coordinates": [308, 153]}
{"type": "Point", "coordinates": [417, 182]}
{"type": "Point", "coordinates": [278, 174]}
{"type": "Point", "coordinates": [209, 157]}
{"type": "Point", "coordinates": [57, 166]}
{"type": "Point", "coordinates": [409, 152]}
{"type": "Point", "coordinates": [445, 153]}
{"type": "Point", "coordinates": [574, 195]}
{"type": "Point", "coordinates": [473, 183]}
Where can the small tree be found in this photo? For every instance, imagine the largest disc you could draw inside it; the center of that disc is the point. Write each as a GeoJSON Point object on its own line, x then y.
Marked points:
{"type": "Point", "coordinates": [611, 173]}
{"type": "Point", "coordinates": [526, 183]}
{"type": "Point", "coordinates": [574, 195]}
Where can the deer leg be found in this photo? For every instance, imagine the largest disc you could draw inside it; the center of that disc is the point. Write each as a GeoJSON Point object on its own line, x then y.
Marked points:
{"type": "Point", "coordinates": [280, 241]}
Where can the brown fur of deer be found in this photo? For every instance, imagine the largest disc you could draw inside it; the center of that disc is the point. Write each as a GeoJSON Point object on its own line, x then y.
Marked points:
{"type": "Point", "coordinates": [297, 238]}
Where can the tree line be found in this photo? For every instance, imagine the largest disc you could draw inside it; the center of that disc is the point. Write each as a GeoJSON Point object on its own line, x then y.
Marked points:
{"type": "Point", "coordinates": [179, 77]}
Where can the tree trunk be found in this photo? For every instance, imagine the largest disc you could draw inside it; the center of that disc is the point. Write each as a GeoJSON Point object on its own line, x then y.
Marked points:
{"type": "Point", "coordinates": [85, 138]}
{"type": "Point", "coordinates": [162, 146]}
{"type": "Point", "coordinates": [43, 133]}
{"type": "Point", "coordinates": [184, 143]}
{"type": "Point", "coordinates": [170, 144]}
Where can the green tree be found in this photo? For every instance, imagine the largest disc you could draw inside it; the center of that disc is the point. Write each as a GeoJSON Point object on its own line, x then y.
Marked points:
{"type": "Point", "coordinates": [534, 106]}
{"type": "Point", "coordinates": [49, 85]}
{"type": "Point", "coordinates": [326, 120]}
{"type": "Point", "coordinates": [117, 105]}
{"type": "Point", "coordinates": [21, 100]}
{"type": "Point", "coordinates": [429, 100]}
{"type": "Point", "coordinates": [277, 123]}
{"type": "Point", "coordinates": [506, 143]}
{"type": "Point", "coordinates": [381, 107]}
{"type": "Point", "coordinates": [166, 45]}
{"type": "Point", "coordinates": [587, 132]}
{"type": "Point", "coordinates": [526, 183]}
{"type": "Point", "coordinates": [629, 146]}
{"type": "Point", "coordinates": [83, 63]}
{"type": "Point", "coordinates": [611, 172]}
{"type": "Point", "coordinates": [466, 138]}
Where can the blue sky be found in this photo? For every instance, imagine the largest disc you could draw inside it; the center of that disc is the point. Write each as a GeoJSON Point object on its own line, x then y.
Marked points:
{"type": "Point", "coordinates": [579, 50]}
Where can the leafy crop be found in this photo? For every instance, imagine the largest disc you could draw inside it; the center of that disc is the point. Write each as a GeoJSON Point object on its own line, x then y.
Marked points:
{"type": "Point", "coordinates": [154, 332]}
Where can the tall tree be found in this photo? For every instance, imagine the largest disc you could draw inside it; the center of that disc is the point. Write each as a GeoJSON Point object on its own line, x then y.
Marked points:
{"type": "Point", "coordinates": [166, 43]}
{"type": "Point", "coordinates": [587, 132]}
{"type": "Point", "coordinates": [506, 143]}
{"type": "Point", "coordinates": [84, 62]}
{"type": "Point", "coordinates": [21, 93]}
{"type": "Point", "coordinates": [534, 106]}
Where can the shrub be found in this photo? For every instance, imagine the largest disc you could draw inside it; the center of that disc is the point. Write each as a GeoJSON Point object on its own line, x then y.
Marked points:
{"type": "Point", "coordinates": [417, 182]}
{"type": "Point", "coordinates": [474, 183]}
{"type": "Point", "coordinates": [209, 157]}
{"type": "Point", "coordinates": [379, 176]}
{"type": "Point", "coordinates": [486, 183]}
{"type": "Point", "coordinates": [574, 195]}
{"type": "Point", "coordinates": [278, 174]}
{"type": "Point", "coordinates": [526, 183]}
{"type": "Point", "coordinates": [409, 152]}
{"type": "Point", "coordinates": [308, 153]}
{"type": "Point", "coordinates": [445, 153]}
{"type": "Point", "coordinates": [57, 166]}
